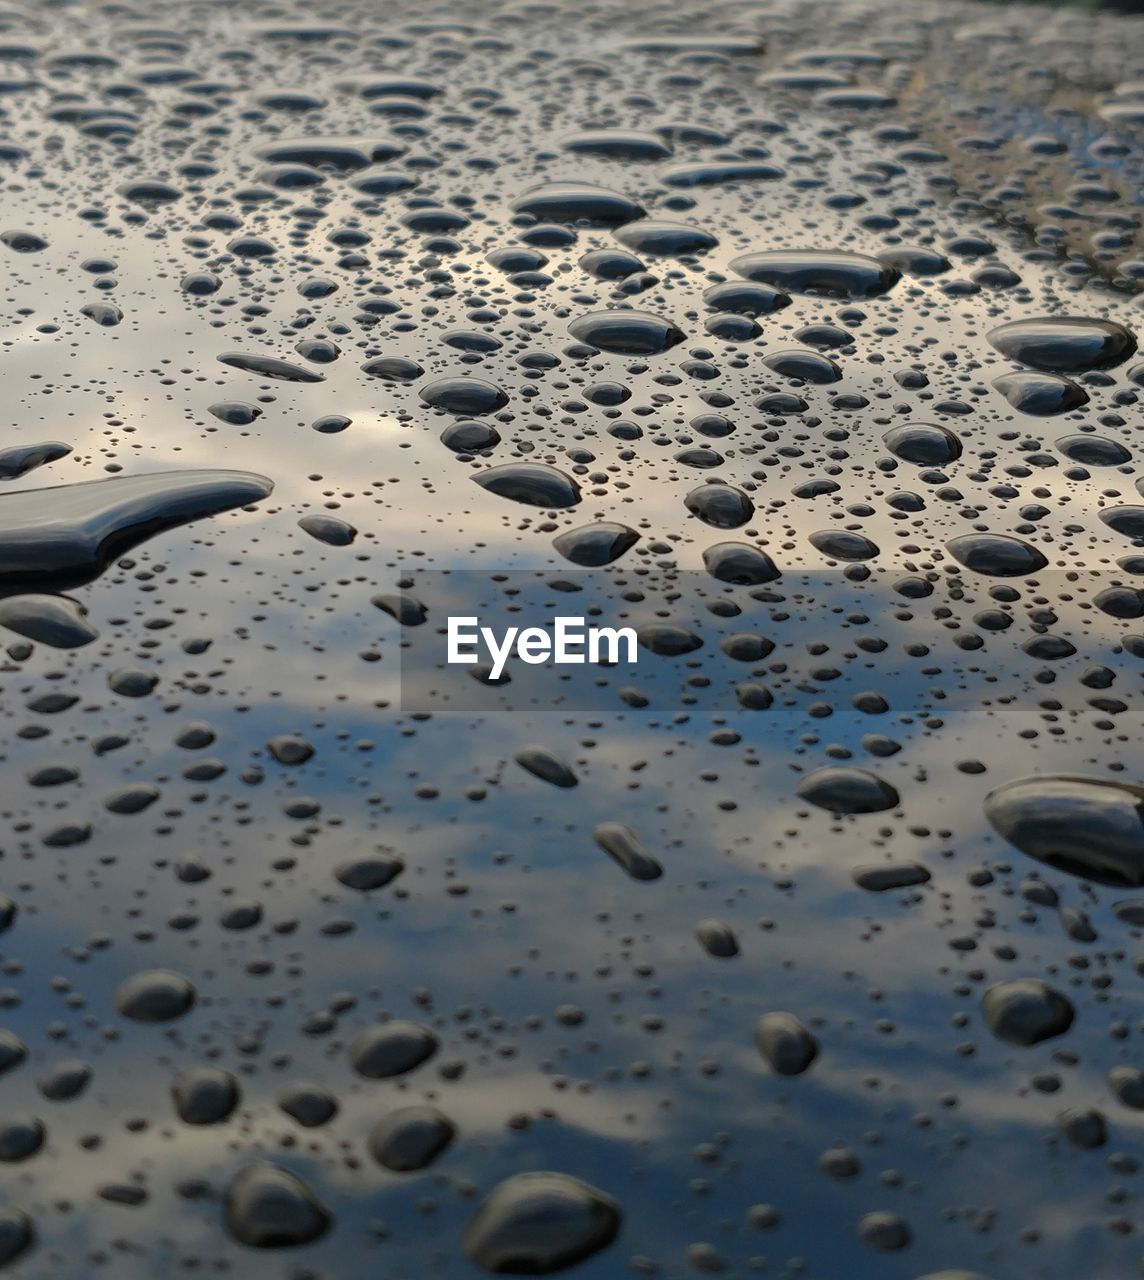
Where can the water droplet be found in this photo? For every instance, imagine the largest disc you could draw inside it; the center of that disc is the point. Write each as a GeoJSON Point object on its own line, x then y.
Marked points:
{"type": "Point", "coordinates": [996, 555]}
{"type": "Point", "coordinates": [539, 1223]}
{"type": "Point", "coordinates": [836, 274]}
{"type": "Point", "coordinates": [546, 765]}
{"type": "Point", "coordinates": [410, 1139]}
{"type": "Point", "coordinates": [717, 938]}
{"type": "Point", "coordinates": [623, 845]}
{"type": "Point", "coordinates": [720, 505]}
{"type": "Point", "coordinates": [154, 995]}
{"type": "Point", "coordinates": [592, 545]}
{"type": "Point", "coordinates": [576, 202]}
{"type": "Point", "coordinates": [391, 1049]}
{"type": "Point", "coordinates": [204, 1095]}
{"type": "Point", "coordinates": [17, 1234]}
{"type": "Point", "coordinates": [51, 620]}
{"type": "Point", "coordinates": [268, 1207]}
{"type": "Point", "coordinates": [656, 237]}
{"type": "Point", "coordinates": [785, 1043]}
{"type": "Point", "coordinates": [1026, 1011]}
{"type": "Point", "coordinates": [923, 443]}
{"type": "Point", "coordinates": [1089, 827]}
{"type": "Point", "coordinates": [533, 483]}
{"type": "Point", "coordinates": [635, 333]}
{"type": "Point", "coordinates": [842, 789]}
{"type": "Point", "coordinates": [269, 367]}
{"type": "Point", "coordinates": [465, 397]}
{"type": "Point", "coordinates": [740, 563]}
{"type": "Point", "coordinates": [1061, 344]}
{"type": "Point", "coordinates": [66, 536]}
{"type": "Point", "coordinates": [1041, 394]}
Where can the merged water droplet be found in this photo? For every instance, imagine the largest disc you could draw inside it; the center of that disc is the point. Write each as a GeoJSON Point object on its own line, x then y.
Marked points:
{"type": "Point", "coordinates": [719, 173]}
{"type": "Point", "coordinates": [62, 537]}
{"type": "Point", "coordinates": [885, 877]}
{"type": "Point", "coordinates": [18, 460]}
{"type": "Point", "coordinates": [618, 144]}
{"type": "Point", "coordinates": [341, 154]}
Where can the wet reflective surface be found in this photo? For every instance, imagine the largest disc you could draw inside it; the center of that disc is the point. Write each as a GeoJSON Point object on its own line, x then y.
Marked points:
{"type": "Point", "coordinates": [804, 334]}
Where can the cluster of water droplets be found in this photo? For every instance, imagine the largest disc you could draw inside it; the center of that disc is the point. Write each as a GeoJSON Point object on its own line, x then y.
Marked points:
{"type": "Point", "coordinates": [808, 332]}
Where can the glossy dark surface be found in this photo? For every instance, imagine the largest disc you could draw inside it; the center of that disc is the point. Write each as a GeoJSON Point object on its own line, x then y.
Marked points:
{"type": "Point", "coordinates": [810, 947]}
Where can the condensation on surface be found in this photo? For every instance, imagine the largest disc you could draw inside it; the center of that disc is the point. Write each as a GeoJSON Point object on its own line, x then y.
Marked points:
{"type": "Point", "coordinates": [831, 307]}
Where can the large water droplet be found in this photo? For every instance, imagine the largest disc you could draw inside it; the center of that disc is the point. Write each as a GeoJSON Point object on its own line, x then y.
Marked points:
{"type": "Point", "coordinates": [923, 443]}
{"type": "Point", "coordinates": [154, 995]}
{"type": "Point", "coordinates": [1089, 827]}
{"type": "Point", "coordinates": [592, 545]}
{"type": "Point", "coordinates": [268, 1207]}
{"type": "Point", "coordinates": [1026, 1011]}
{"type": "Point", "coordinates": [63, 537]}
{"type": "Point", "coordinates": [391, 1049]}
{"type": "Point", "coordinates": [1064, 344]}
{"type": "Point", "coordinates": [577, 201]}
{"type": "Point", "coordinates": [534, 1224]}
{"type": "Point", "coordinates": [633, 333]}
{"type": "Point", "coordinates": [836, 274]}
{"type": "Point", "coordinates": [534, 483]}
{"type": "Point", "coordinates": [843, 789]}
{"type": "Point", "coordinates": [996, 555]}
